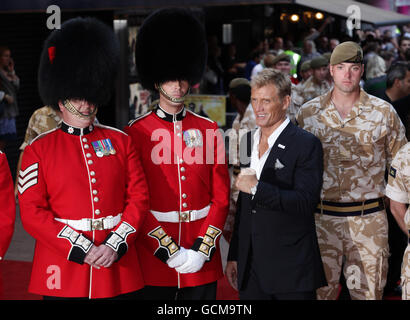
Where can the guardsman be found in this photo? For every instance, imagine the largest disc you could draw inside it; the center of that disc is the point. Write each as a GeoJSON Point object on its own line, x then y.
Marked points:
{"type": "Point", "coordinates": [7, 209]}
{"type": "Point", "coordinates": [7, 206]}
{"type": "Point", "coordinates": [183, 156]}
{"type": "Point", "coordinates": [82, 191]}
{"type": "Point", "coordinates": [360, 135]}
{"type": "Point", "coordinates": [398, 190]}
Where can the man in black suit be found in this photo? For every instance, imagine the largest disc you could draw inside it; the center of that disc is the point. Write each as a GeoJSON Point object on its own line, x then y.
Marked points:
{"type": "Point", "coordinates": [274, 254]}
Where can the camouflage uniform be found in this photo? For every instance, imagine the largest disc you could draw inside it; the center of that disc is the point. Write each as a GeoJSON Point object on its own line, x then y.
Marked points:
{"type": "Point", "coordinates": [293, 108]}
{"type": "Point", "coordinates": [357, 151]}
{"type": "Point", "coordinates": [310, 90]}
{"type": "Point", "coordinates": [398, 189]}
{"type": "Point", "coordinates": [239, 129]}
{"type": "Point", "coordinates": [42, 120]}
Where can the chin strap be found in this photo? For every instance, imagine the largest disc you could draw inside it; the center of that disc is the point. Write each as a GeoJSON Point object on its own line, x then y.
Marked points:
{"type": "Point", "coordinates": [172, 99]}
{"type": "Point", "coordinates": [67, 104]}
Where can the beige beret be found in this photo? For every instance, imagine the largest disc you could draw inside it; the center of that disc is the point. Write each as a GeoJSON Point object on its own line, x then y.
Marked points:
{"type": "Point", "coordinates": [348, 51]}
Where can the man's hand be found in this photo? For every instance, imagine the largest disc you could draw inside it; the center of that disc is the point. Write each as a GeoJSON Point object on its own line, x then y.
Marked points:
{"type": "Point", "coordinates": [8, 98]}
{"type": "Point", "coordinates": [92, 256]}
{"type": "Point", "coordinates": [101, 256]}
{"type": "Point", "coordinates": [246, 180]}
{"type": "Point", "coordinates": [231, 272]}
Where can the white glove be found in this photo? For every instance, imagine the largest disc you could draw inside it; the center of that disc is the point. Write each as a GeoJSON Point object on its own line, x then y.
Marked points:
{"type": "Point", "coordinates": [193, 264]}
{"type": "Point", "coordinates": [178, 259]}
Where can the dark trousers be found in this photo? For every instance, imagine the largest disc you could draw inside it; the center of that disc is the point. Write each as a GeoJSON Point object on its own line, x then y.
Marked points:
{"type": "Point", "coordinates": [135, 295]}
{"type": "Point", "coordinates": [251, 289]}
{"type": "Point", "coordinates": [203, 292]}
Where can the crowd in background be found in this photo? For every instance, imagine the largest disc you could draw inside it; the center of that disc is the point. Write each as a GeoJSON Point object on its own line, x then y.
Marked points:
{"type": "Point", "coordinates": [382, 50]}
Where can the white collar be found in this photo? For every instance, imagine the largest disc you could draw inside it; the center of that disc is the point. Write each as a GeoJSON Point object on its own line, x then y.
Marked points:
{"type": "Point", "coordinates": [274, 135]}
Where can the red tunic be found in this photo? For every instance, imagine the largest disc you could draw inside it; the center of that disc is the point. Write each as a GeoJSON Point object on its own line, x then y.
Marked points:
{"type": "Point", "coordinates": [63, 176]}
{"type": "Point", "coordinates": [7, 205]}
{"type": "Point", "coordinates": [183, 156]}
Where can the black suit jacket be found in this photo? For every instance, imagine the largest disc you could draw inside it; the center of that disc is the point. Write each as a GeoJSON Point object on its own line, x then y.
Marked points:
{"type": "Point", "coordinates": [277, 225]}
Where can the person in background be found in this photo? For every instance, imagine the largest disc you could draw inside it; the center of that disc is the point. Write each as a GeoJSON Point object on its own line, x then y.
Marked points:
{"type": "Point", "coordinates": [375, 83]}
{"type": "Point", "coordinates": [305, 73]}
{"type": "Point", "coordinates": [404, 45]}
{"type": "Point", "coordinates": [268, 61]}
{"type": "Point", "coordinates": [240, 96]}
{"type": "Point", "coordinates": [42, 120]}
{"type": "Point", "coordinates": [9, 85]}
{"type": "Point", "coordinates": [317, 84]}
{"type": "Point", "coordinates": [398, 91]}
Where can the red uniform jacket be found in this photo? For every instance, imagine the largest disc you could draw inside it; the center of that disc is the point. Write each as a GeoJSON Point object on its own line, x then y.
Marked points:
{"type": "Point", "coordinates": [65, 175]}
{"type": "Point", "coordinates": [7, 205]}
{"type": "Point", "coordinates": [183, 156]}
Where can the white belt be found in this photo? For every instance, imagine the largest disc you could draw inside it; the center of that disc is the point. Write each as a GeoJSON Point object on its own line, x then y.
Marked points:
{"type": "Point", "coordinates": [86, 224]}
{"type": "Point", "coordinates": [183, 216]}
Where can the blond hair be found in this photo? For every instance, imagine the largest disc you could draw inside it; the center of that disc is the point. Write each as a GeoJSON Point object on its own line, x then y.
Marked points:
{"type": "Point", "coordinates": [271, 76]}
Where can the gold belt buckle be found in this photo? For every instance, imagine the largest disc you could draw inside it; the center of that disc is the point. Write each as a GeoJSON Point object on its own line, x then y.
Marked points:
{"type": "Point", "coordinates": [185, 216]}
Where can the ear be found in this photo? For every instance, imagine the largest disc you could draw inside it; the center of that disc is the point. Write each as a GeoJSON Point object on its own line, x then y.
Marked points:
{"type": "Point", "coordinates": [397, 83]}
{"type": "Point", "coordinates": [61, 106]}
{"type": "Point", "coordinates": [285, 103]}
{"type": "Point", "coordinates": [330, 70]}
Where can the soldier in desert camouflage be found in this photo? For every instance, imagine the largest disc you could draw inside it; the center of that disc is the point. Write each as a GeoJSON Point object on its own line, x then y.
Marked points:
{"type": "Point", "coordinates": [398, 190]}
{"type": "Point", "coordinates": [240, 96]}
{"type": "Point", "coordinates": [316, 84]}
{"type": "Point", "coordinates": [360, 135]}
{"type": "Point", "coordinates": [42, 120]}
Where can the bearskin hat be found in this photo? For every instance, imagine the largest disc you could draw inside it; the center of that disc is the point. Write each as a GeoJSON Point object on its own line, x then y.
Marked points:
{"type": "Point", "coordinates": [79, 61]}
{"type": "Point", "coordinates": [171, 45]}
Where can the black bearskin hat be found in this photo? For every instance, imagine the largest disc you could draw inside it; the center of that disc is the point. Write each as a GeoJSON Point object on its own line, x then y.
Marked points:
{"type": "Point", "coordinates": [171, 45]}
{"type": "Point", "coordinates": [79, 61]}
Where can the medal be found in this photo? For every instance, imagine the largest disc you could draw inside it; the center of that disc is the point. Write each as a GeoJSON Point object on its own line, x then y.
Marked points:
{"type": "Point", "coordinates": [103, 148]}
{"type": "Point", "coordinates": [109, 146]}
{"type": "Point", "coordinates": [193, 138]}
{"type": "Point", "coordinates": [97, 148]}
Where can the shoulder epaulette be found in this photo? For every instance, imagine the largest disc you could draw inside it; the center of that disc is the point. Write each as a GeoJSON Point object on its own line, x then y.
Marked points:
{"type": "Point", "coordinates": [99, 125]}
{"type": "Point", "coordinates": [197, 115]}
{"type": "Point", "coordinates": [131, 122]}
{"type": "Point", "coordinates": [42, 135]}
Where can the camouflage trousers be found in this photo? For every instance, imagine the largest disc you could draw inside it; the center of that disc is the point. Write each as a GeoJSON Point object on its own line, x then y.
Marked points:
{"type": "Point", "coordinates": [405, 275]}
{"type": "Point", "coordinates": [230, 219]}
{"type": "Point", "coordinates": [361, 243]}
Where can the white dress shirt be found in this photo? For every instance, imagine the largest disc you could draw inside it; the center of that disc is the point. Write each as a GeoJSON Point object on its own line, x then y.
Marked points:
{"type": "Point", "coordinates": [256, 162]}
